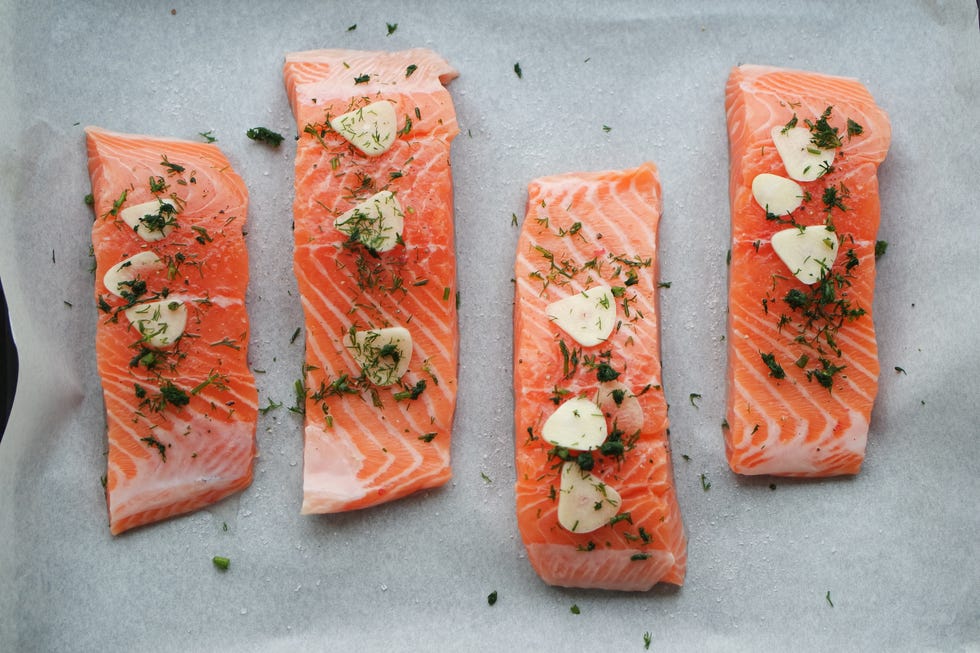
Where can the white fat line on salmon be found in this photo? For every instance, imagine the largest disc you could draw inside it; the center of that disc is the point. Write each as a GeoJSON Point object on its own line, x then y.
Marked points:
{"type": "Point", "coordinates": [749, 313]}
{"type": "Point", "coordinates": [855, 369]}
{"type": "Point", "coordinates": [221, 301]}
{"type": "Point", "coordinates": [231, 393]}
{"type": "Point", "coordinates": [421, 324]}
{"type": "Point", "coordinates": [366, 297]}
{"type": "Point", "coordinates": [393, 448]}
{"type": "Point", "coordinates": [780, 398]}
{"type": "Point", "coordinates": [406, 448]}
{"type": "Point", "coordinates": [318, 291]}
{"type": "Point", "coordinates": [620, 269]}
{"type": "Point", "coordinates": [411, 478]}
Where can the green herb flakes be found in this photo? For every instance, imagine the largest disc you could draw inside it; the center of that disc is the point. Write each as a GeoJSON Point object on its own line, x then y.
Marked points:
{"type": "Point", "coordinates": [272, 406]}
{"type": "Point", "coordinates": [159, 446]}
{"type": "Point", "coordinates": [263, 135]}
{"type": "Point", "coordinates": [605, 372]}
{"type": "Point", "coordinates": [822, 134]}
{"type": "Point", "coordinates": [881, 246]}
{"type": "Point", "coordinates": [775, 369]}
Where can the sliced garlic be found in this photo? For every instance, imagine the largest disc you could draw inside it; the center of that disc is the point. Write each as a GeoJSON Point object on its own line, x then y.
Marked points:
{"type": "Point", "coordinates": [371, 129]}
{"type": "Point", "coordinates": [160, 323]}
{"type": "Point", "coordinates": [377, 222]}
{"type": "Point", "coordinates": [122, 274]}
{"type": "Point", "coordinates": [620, 406]}
{"type": "Point", "coordinates": [803, 160]}
{"type": "Point", "coordinates": [777, 195]}
{"type": "Point", "coordinates": [588, 316]}
{"type": "Point", "coordinates": [153, 220]}
{"type": "Point", "coordinates": [383, 354]}
{"type": "Point", "coordinates": [585, 503]}
{"type": "Point", "coordinates": [576, 424]}
{"type": "Point", "coordinates": [808, 252]}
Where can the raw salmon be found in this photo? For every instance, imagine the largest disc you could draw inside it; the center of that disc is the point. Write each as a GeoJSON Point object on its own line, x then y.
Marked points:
{"type": "Point", "coordinates": [615, 524]}
{"type": "Point", "coordinates": [375, 264]}
{"type": "Point", "coordinates": [802, 354]}
{"type": "Point", "coordinates": [173, 333]}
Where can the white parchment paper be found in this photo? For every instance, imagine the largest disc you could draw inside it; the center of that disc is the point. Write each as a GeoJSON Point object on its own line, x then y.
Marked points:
{"type": "Point", "coordinates": [884, 561]}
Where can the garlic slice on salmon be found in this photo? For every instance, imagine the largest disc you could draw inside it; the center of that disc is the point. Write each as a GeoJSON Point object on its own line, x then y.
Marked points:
{"type": "Point", "coordinates": [371, 129]}
{"type": "Point", "coordinates": [803, 160]}
{"type": "Point", "coordinates": [777, 195]}
{"type": "Point", "coordinates": [808, 252]}
{"type": "Point", "coordinates": [153, 220]}
{"type": "Point", "coordinates": [585, 503]}
{"type": "Point", "coordinates": [588, 316]}
{"type": "Point", "coordinates": [160, 323]}
{"type": "Point", "coordinates": [576, 424]}
{"type": "Point", "coordinates": [383, 354]}
{"type": "Point", "coordinates": [621, 407]}
{"type": "Point", "coordinates": [122, 274]}
{"type": "Point", "coordinates": [377, 222]}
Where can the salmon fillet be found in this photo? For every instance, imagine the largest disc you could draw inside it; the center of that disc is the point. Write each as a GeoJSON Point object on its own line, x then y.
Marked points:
{"type": "Point", "coordinates": [378, 414]}
{"type": "Point", "coordinates": [180, 402]}
{"type": "Point", "coordinates": [583, 233]}
{"type": "Point", "coordinates": [802, 355]}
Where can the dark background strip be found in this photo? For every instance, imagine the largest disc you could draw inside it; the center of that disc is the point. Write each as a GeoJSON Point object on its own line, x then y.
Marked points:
{"type": "Point", "coordinates": [8, 364]}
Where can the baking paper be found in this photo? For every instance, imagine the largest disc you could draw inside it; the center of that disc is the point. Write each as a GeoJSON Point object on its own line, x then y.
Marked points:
{"type": "Point", "coordinates": [883, 561]}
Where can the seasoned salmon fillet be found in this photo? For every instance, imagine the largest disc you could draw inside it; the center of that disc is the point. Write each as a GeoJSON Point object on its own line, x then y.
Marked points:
{"type": "Point", "coordinates": [596, 505]}
{"type": "Point", "coordinates": [802, 355]}
{"type": "Point", "coordinates": [376, 268]}
{"type": "Point", "coordinates": [173, 333]}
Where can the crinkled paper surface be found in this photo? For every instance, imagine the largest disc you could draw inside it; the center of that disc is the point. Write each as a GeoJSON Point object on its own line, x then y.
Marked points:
{"type": "Point", "coordinates": [894, 550]}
